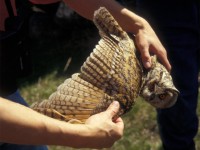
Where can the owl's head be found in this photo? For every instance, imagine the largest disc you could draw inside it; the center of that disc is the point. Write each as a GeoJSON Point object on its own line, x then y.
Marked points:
{"type": "Point", "coordinates": [158, 88]}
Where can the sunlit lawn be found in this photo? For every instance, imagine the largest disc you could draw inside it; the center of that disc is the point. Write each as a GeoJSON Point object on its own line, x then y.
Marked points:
{"type": "Point", "coordinates": [141, 130]}
{"type": "Point", "coordinates": [49, 60]}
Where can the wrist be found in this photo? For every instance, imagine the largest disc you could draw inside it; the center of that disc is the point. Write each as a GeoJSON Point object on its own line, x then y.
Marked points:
{"type": "Point", "coordinates": [134, 22]}
{"type": "Point", "coordinates": [81, 136]}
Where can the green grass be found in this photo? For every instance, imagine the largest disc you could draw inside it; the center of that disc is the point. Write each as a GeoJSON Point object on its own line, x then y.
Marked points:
{"type": "Point", "coordinates": [49, 59]}
{"type": "Point", "coordinates": [141, 129]}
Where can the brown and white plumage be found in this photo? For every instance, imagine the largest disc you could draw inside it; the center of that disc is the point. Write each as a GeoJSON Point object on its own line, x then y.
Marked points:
{"type": "Point", "coordinates": [111, 72]}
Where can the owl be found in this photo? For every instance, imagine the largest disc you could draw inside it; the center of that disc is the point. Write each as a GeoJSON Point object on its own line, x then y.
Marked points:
{"type": "Point", "coordinates": [113, 71]}
{"type": "Point", "coordinates": [158, 88]}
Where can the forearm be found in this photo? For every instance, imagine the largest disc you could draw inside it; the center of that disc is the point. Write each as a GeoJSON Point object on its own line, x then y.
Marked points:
{"type": "Point", "coordinates": [129, 21]}
{"type": "Point", "coordinates": [145, 37]}
{"type": "Point", "coordinates": [22, 125]}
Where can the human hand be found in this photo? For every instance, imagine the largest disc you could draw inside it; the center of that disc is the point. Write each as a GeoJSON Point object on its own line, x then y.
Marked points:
{"type": "Point", "coordinates": [147, 42]}
{"type": "Point", "coordinates": [105, 130]}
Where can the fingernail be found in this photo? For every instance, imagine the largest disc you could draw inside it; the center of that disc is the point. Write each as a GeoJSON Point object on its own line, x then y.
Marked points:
{"type": "Point", "coordinates": [116, 104]}
{"type": "Point", "coordinates": [147, 65]}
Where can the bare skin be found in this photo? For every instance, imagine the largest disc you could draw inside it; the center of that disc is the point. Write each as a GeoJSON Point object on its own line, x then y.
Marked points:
{"type": "Point", "coordinates": [18, 121]}
{"type": "Point", "coordinates": [145, 37]}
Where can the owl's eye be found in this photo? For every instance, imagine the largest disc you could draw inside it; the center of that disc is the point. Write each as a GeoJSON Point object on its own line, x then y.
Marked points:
{"type": "Point", "coordinates": [162, 96]}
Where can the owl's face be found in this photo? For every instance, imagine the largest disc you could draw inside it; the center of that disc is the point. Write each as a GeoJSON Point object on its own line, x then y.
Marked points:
{"type": "Point", "coordinates": [158, 88]}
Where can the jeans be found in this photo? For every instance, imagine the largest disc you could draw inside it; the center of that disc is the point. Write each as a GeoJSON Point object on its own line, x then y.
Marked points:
{"type": "Point", "coordinates": [177, 25]}
{"type": "Point", "coordinates": [16, 97]}
{"type": "Point", "coordinates": [178, 125]}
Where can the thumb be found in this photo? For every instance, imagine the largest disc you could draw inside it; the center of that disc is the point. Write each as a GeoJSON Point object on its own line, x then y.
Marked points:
{"type": "Point", "coordinates": [113, 109]}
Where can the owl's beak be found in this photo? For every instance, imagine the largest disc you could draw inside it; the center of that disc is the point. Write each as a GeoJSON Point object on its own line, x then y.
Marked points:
{"type": "Point", "coordinates": [174, 99]}
{"type": "Point", "coordinates": [176, 90]}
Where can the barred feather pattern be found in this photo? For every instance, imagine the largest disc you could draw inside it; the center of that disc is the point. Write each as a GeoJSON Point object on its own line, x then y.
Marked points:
{"type": "Point", "coordinates": [111, 72]}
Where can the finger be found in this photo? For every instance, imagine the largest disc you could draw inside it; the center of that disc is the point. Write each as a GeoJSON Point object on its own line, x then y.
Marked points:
{"type": "Point", "coordinates": [113, 109]}
{"type": "Point", "coordinates": [144, 51]}
{"type": "Point", "coordinates": [146, 58]}
{"type": "Point", "coordinates": [162, 56]}
{"type": "Point", "coordinates": [164, 61]}
{"type": "Point", "coordinates": [119, 122]}
{"type": "Point", "coordinates": [120, 127]}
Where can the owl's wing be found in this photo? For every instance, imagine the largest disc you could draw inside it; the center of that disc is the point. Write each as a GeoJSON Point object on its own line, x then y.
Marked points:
{"type": "Point", "coordinates": [124, 74]}
{"type": "Point", "coordinates": [111, 72]}
{"type": "Point", "coordinates": [74, 99]}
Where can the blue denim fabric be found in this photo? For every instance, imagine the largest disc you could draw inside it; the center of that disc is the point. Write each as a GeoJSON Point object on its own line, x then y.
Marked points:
{"type": "Point", "coordinates": [7, 146]}
{"type": "Point", "coordinates": [16, 97]}
{"type": "Point", "coordinates": [177, 24]}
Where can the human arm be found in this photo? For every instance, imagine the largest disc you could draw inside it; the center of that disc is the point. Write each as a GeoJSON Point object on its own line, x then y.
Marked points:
{"type": "Point", "coordinates": [145, 38]}
{"type": "Point", "coordinates": [22, 125]}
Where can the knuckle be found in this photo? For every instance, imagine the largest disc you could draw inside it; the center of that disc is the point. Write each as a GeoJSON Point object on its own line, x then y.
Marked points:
{"type": "Point", "coordinates": [118, 136]}
{"type": "Point", "coordinates": [143, 47]}
{"type": "Point", "coordinates": [145, 56]}
{"type": "Point", "coordinates": [113, 112]}
{"type": "Point", "coordinates": [162, 51]}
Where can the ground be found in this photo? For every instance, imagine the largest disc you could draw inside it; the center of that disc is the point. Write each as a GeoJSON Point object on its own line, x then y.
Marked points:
{"type": "Point", "coordinates": [53, 42]}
